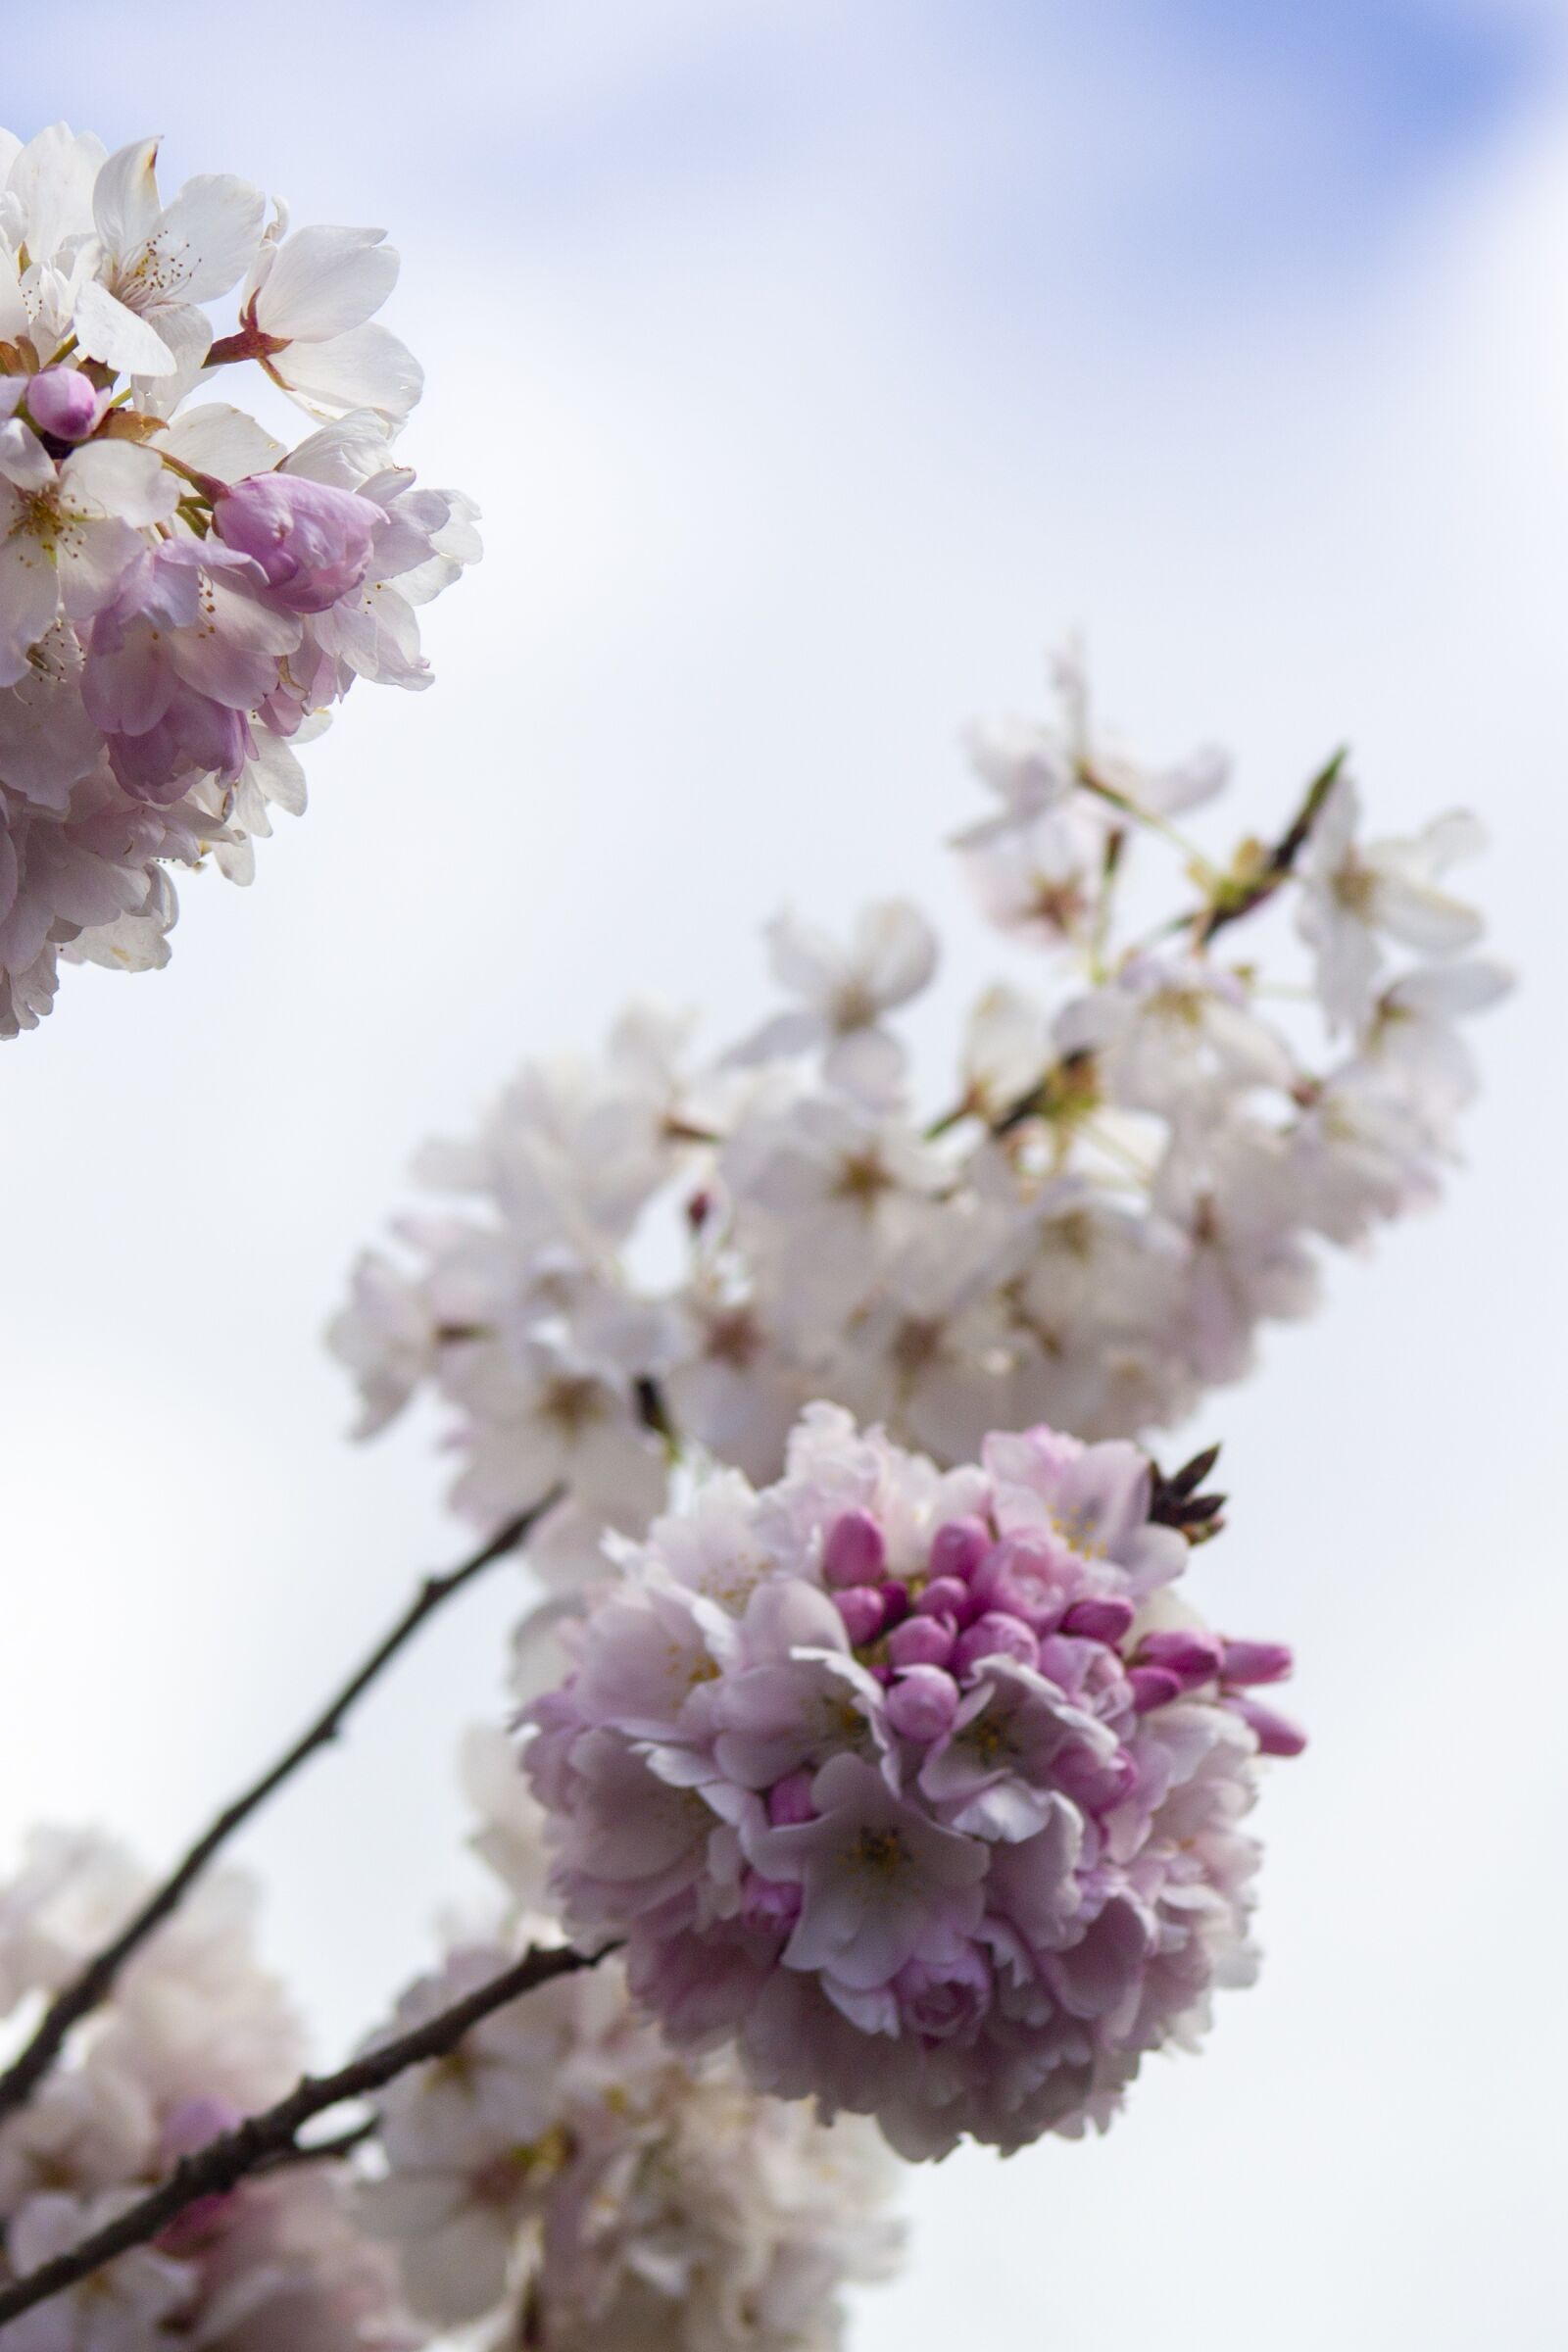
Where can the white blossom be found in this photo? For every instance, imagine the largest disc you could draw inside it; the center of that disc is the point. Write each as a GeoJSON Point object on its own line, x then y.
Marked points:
{"type": "Point", "coordinates": [660, 1257]}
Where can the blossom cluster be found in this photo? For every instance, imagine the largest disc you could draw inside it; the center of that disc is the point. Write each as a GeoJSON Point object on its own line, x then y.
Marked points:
{"type": "Point", "coordinates": [918, 1787]}
{"type": "Point", "coordinates": [569, 2182]}
{"type": "Point", "coordinates": [195, 2036]}
{"type": "Point", "coordinates": [183, 597]}
{"type": "Point", "coordinates": [1141, 1159]}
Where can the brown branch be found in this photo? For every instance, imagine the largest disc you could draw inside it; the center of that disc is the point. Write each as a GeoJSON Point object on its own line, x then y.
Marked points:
{"type": "Point", "coordinates": [262, 2141]}
{"type": "Point", "coordinates": [96, 1980]}
{"type": "Point", "coordinates": [1246, 897]}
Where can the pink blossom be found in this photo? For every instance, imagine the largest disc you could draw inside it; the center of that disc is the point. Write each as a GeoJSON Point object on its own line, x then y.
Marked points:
{"type": "Point", "coordinates": [959, 1881]}
{"type": "Point", "coordinates": [312, 542]}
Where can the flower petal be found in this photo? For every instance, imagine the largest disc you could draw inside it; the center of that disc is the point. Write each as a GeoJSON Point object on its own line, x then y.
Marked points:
{"type": "Point", "coordinates": [365, 368]}
{"type": "Point", "coordinates": [208, 237]}
{"type": "Point", "coordinates": [107, 330]}
{"type": "Point", "coordinates": [124, 198]}
{"type": "Point", "coordinates": [325, 281]}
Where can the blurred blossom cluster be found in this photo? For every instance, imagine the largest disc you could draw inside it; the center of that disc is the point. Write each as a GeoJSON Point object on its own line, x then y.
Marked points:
{"type": "Point", "coordinates": [197, 2035]}
{"type": "Point", "coordinates": [919, 1787]}
{"type": "Point", "coordinates": [571, 2183]}
{"type": "Point", "coordinates": [562, 2177]}
{"type": "Point", "coordinates": [1138, 1162]}
{"type": "Point", "coordinates": [183, 597]}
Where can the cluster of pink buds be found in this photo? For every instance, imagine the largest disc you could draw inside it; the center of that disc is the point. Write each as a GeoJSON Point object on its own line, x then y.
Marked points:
{"type": "Point", "coordinates": [919, 1786]}
{"type": "Point", "coordinates": [982, 1597]}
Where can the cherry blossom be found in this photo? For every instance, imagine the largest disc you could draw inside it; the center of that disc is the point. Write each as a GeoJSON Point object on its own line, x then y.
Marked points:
{"type": "Point", "coordinates": [181, 596]}
{"type": "Point", "coordinates": [935, 1816]}
{"type": "Point", "coordinates": [658, 1258]}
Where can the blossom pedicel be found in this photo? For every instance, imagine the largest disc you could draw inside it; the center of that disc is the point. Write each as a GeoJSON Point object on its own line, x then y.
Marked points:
{"type": "Point", "coordinates": [919, 1787]}
{"type": "Point", "coordinates": [182, 598]}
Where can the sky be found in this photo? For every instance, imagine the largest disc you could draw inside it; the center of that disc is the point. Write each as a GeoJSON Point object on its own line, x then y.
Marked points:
{"type": "Point", "coordinates": [818, 368]}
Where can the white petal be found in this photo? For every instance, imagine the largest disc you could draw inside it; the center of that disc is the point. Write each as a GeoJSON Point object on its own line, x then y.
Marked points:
{"type": "Point", "coordinates": [124, 199]}
{"type": "Point", "coordinates": [1421, 918]}
{"type": "Point", "coordinates": [187, 333]}
{"type": "Point", "coordinates": [23, 460]}
{"type": "Point", "coordinates": [896, 949]}
{"type": "Point", "coordinates": [279, 775]}
{"type": "Point", "coordinates": [92, 559]}
{"type": "Point", "coordinates": [209, 235]}
{"type": "Point", "coordinates": [29, 595]}
{"type": "Point", "coordinates": [325, 282]}
{"type": "Point", "coordinates": [219, 439]}
{"type": "Point", "coordinates": [47, 741]}
{"type": "Point", "coordinates": [14, 320]}
{"type": "Point", "coordinates": [346, 454]}
{"type": "Point", "coordinates": [118, 479]}
{"type": "Point", "coordinates": [53, 178]}
{"type": "Point", "coordinates": [365, 368]}
{"type": "Point", "coordinates": [106, 330]}
{"type": "Point", "coordinates": [135, 942]}
{"type": "Point", "coordinates": [1446, 992]}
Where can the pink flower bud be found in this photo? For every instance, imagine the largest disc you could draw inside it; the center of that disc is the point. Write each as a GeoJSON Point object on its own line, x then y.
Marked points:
{"type": "Point", "coordinates": [62, 400]}
{"type": "Point", "coordinates": [312, 542]}
{"type": "Point", "coordinates": [895, 1598]}
{"type": "Point", "coordinates": [922, 1703]}
{"type": "Point", "coordinates": [771, 1904]}
{"type": "Point", "coordinates": [993, 1636]}
{"type": "Point", "coordinates": [1193, 1658]}
{"type": "Point", "coordinates": [1066, 1659]}
{"type": "Point", "coordinates": [1153, 1687]}
{"type": "Point", "coordinates": [789, 1800]}
{"type": "Point", "coordinates": [1107, 1618]}
{"type": "Point", "coordinates": [1255, 1662]}
{"type": "Point", "coordinates": [1016, 1577]}
{"type": "Point", "coordinates": [1277, 1734]}
{"type": "Point", "coordinates": [856, 1550]}
{"type": "Point", "coordinates": [862, 1612]}
{"type": "Point", "coordinates": [1080, 1775]}
{"type": "Point", "coordinates": [958, 1547]}
{"type": "Point", "coordinates": [922, 1641]}
{"type": "Point", "coordinates": [948, 1596]}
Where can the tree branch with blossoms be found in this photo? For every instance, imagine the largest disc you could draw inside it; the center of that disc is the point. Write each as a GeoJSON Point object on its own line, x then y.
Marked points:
{"type": "Point", "coordinates": [262, 2141]}
{"type": "Point", "coordinates": [96, 1981]}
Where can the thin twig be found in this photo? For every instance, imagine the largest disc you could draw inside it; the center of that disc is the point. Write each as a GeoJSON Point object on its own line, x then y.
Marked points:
{"type": "Point", "coordinates": [263, 2140]}
{"type": "Point", "coordinates": [1245, 898]}
{"type": "Point", "coordinates": [96, 1980]}
{"type": "Point", "coordinates": [322, 2151]}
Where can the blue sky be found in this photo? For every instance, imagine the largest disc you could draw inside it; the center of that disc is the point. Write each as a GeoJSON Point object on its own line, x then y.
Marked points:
{"type": "Point", "coordinates": [1225, 128]}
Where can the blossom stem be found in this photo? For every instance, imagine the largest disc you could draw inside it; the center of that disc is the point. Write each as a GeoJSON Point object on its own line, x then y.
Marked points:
{"type": "Point", "coordinates": [1202, 865]}
{"type": "Point", "coordinates": [263, 2141]}
{"type": "Point", "coordinates": [93, 1985]}
{"type": "Point", "coordinates": [206, 485]}
{"type": "Point", "coordinates": [1231, 904]}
